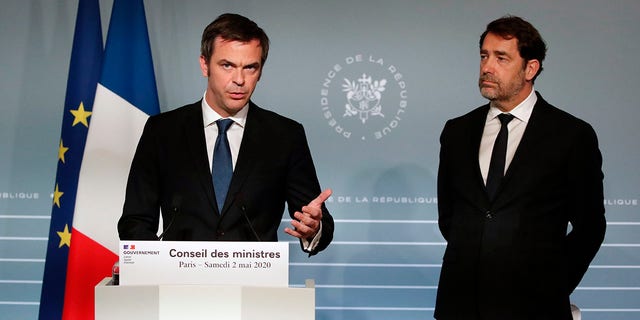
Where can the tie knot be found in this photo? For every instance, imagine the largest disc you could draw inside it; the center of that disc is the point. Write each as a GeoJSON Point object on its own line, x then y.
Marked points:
{"type": "Point", "coordinates": [505, 118]}
{"type": "Point", "coordinates": [223, 125]}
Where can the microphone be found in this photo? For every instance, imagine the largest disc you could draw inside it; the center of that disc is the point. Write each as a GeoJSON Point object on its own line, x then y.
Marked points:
{"type": "Point", "coordinates": [243, 211]}
{"type": "Point", "coordinates": [175, 210]}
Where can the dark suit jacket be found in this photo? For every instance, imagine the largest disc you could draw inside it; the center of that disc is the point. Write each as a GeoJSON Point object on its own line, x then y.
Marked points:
{"type": "Point", "coordinates": [513, 258]}
{"type": "Point", "coordinates": [170, 170]}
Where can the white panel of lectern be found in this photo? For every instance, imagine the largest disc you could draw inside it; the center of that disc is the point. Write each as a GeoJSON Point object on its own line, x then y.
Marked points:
{"type": "Point", "coordinates": [195, 302]}
{"type": "Point", "coordinates": [204, 262]}
{"type": "Point", "coordinates": [203, 280]}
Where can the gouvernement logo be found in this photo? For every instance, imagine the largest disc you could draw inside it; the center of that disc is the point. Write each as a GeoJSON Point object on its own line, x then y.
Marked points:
{"type": "Point", "coordinates": [372, 100]}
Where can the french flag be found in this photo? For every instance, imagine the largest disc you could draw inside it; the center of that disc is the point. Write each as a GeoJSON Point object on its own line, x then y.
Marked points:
{"type": "Point", "coordinates": [126, 96]}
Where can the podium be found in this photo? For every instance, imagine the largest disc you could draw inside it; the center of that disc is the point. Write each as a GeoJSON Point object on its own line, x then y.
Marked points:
{"type": "Point", "coordinates": [228, 302]}
{"type": "Point", "coordinates": [166, 280]}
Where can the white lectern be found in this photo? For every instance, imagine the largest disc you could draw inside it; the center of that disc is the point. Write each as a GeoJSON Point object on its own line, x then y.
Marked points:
{"type": "Point", "coordinates": [165, 280]}
{"type": "Point", "coordinates": [161, 302]}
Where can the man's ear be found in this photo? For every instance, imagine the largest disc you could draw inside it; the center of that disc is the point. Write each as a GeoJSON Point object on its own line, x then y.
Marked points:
{"type": "Point", "coordinates": [531, 69]}
{"type": "Point", "coordinates": [204, 66]}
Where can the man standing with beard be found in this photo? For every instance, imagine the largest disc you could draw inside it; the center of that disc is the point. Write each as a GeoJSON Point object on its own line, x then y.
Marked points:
{"type": "Point", "coordinates": [520, 195]}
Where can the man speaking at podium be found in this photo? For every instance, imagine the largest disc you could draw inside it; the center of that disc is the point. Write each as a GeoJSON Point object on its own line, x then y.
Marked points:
{"type": "Point", "coordinates": [222, 168]}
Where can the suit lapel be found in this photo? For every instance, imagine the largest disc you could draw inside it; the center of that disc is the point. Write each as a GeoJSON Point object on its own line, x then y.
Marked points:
{"type": "Point", "coordinates": [530, 143]}
{"type": "Point", "coordinates": [475, 137]}
{"type": "Point", "coordinates": [194, 132]}
{"type": "Point", "coordinates": [476, 190]}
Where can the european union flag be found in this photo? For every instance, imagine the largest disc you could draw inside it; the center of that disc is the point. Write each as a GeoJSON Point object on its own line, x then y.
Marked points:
{"type": "Point", "coordinates": [84, 72]}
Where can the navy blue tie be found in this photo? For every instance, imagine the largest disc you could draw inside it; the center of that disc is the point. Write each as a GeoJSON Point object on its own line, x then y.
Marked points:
{"type": "Point", "coordinates": [222, 167]}
{"type": "Point", "coordinates": [498, 156]}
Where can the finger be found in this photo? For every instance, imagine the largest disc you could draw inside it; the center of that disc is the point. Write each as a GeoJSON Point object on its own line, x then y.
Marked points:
{"type": "Point", "coordinates": [321, 198]}
{"type": "Point", "coordinates": [304, 223]}
{"type": "Point", "coordinates": [312, 212]}
{"type": "Point", "coordinates": [292, 233]}
{"type": "Point", "coordinates": [299, 230]}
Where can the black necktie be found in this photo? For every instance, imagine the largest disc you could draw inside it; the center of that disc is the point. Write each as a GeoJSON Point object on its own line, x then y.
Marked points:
{"type": "Point", "coordinates": [496, 167]}
{"type": "Point", "coordinates": [222, 167]}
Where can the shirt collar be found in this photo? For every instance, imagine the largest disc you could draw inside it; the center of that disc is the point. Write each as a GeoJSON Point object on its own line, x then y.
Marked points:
{"type": "Point", "coordinates": [522, 111]}
{"type": "Point", "coordinates": [209, 116]}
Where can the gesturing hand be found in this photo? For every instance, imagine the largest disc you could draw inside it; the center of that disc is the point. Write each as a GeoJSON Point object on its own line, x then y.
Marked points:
{"type": "Point", "coordinates": [307, 223]}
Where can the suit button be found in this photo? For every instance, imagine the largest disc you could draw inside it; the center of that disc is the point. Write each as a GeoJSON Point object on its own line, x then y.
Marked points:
{"type": "Point", "coordinates": [489, 215]}
{"type": "Point", "coordinates": [220, 233]}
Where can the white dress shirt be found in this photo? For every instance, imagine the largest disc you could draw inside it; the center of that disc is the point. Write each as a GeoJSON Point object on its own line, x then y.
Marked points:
{"type": "Point", "coordinates": [234, 135]}
{"type": "Point", "coordinates": [516, 127]}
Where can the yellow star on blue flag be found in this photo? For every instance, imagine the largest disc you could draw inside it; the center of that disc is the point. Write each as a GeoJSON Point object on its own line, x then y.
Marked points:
{"type": "Point", "coordinates": [61, 151]}
{"type": "Point", "coordinates": [65, 237]}
{"type": "Point", "coordinates": [57, 194]}
{"type": "Point", "coordinates": [80, 115]}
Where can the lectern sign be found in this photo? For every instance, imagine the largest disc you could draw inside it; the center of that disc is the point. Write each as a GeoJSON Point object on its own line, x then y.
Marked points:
{"type": "Point", "coordinates": [204, 262]}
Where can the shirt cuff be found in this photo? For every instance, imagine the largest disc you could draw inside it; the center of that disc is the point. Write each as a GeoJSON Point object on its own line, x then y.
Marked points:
{"type": "Point", "coordinates": [309, 246]}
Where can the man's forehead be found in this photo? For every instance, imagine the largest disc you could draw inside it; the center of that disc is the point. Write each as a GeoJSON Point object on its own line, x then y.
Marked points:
{"type": "Point", "coordinates": [230, 49]}
{"type": "Point", "coordinates": [221, 40]}
{"type": "Point", "coordinates": [501, 42]}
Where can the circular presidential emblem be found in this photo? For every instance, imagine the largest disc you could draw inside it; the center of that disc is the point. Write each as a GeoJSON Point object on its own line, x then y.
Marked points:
{"type": "Point", "coordinates": [363, 98]}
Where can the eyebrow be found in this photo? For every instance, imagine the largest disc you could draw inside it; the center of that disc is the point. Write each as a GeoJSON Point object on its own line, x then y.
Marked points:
{"type": "Point", "coordinates": [225, 61]}
{"type": "Point", "coordinates": [497, 52]}
{"type": "Point", "coordinates": [251, 65]}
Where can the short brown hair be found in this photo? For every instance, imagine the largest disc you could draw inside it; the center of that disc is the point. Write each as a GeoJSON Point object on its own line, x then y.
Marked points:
{"type": "Point", "coordinates": [234, 27]}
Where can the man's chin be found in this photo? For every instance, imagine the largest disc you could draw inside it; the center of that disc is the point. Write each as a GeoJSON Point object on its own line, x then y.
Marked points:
{"type": "Point", "coordinates": [237, 104]}
{"type": "Point", "coordinates": [488, 94]}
